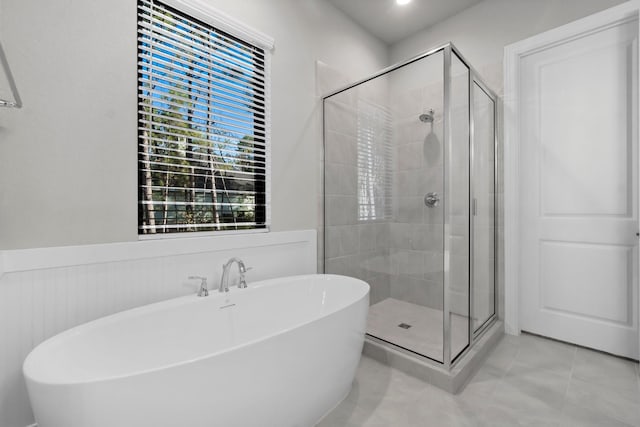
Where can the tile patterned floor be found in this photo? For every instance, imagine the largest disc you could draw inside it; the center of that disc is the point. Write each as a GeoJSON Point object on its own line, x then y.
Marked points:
{"type": "Point", "coordinates": [425, 334]}
{"type": "Point", "coordinates": [526, 381]}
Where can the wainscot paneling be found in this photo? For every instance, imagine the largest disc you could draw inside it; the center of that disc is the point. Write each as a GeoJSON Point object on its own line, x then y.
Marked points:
{"type": "Point", "coordinates": [45, 291]}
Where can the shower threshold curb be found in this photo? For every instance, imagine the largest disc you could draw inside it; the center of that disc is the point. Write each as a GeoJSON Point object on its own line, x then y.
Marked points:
{"type": "Point", "coordinates": [432, 372]}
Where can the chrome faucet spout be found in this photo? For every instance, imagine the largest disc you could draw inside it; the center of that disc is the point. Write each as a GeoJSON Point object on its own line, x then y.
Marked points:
{"type": "Point", "coordinates": [224, 281]}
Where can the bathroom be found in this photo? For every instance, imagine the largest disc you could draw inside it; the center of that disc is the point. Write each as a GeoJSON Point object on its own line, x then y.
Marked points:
{"type": "Point", "coordinates": [79, 247]}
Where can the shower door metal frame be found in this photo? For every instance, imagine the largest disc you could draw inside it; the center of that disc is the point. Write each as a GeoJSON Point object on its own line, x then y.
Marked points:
{"type": "Point", "coordinates": [448, 50]}
{"type": "Point", "coordinates": [474, 336]}
{"type": "Point", "coordinates": [446, 226]}
{"type": "Point", "coordinates": [475, 79]}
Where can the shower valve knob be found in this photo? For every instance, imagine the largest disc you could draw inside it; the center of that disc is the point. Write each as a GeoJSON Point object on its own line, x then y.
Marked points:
{"type": "Point", "coordinates": [431, 200]}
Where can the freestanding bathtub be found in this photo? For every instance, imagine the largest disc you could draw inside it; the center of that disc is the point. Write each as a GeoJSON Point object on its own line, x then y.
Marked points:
{"type": "Point", "coordinates": [281, 353]}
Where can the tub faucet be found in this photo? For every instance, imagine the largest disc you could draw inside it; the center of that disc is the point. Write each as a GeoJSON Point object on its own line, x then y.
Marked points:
{"type": "Point", "coordinates": [203, 291]}
{"type": "Point", "coordinates": [224, 281]}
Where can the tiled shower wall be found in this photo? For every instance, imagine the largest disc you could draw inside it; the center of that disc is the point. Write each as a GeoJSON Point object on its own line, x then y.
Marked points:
{"type": "Point", "coordinates": [400, 252]}
{"type": "Point", "coordinates": [416, 232]}
{"type": "Point", "coordinates": [409, 268]}
{"type": "Point", "coordinates": [357, 248]}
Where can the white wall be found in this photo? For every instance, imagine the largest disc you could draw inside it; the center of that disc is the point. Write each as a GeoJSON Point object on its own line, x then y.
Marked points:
{"type": "Point", "coordinates": [482, 31]}
{"type": "Point", "coordinates": [68, 159]}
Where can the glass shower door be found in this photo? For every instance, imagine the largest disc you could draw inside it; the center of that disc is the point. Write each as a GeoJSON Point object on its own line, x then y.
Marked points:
{"type": "Point", "coordinates": [384, 185]}
{"type": "Point", "coordinates": [483, 207]}
{"type": "Point", "coordinates": [409, 170]}
{"type": "Point", "coordinates": [411, 316]}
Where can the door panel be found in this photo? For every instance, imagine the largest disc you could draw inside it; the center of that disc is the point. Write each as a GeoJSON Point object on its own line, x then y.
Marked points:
{"type": "Point", "coordinates": [587, 280]}
{"type": "Point", "coordinates": [571, 115]}
{"type": "Point", "coordinates": [578, 191]}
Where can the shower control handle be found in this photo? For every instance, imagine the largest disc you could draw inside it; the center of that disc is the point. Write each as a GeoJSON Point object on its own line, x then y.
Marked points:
{"type": "Point", "coordinates": [431, 200]}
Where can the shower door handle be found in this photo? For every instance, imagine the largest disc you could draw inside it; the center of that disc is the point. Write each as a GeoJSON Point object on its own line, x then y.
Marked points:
{"type": "Point", "coordinates": [431, 200]}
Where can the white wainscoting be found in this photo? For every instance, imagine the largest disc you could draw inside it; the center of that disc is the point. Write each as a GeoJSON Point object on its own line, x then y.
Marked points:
{"type": "Point", "coordinates": [45, 291]}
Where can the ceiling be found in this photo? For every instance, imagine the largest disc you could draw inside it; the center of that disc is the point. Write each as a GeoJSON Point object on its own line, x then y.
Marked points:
{"type": "Point", "coordinates": [390, 22]}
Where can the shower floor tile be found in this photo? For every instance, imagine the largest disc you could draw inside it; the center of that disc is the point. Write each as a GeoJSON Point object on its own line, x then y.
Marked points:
{"type": "Point", "coordinates": [415, 327]}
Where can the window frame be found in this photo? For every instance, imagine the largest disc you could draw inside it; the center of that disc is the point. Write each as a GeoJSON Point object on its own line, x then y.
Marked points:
{"type": "Point", "coordinates": [202, 12]}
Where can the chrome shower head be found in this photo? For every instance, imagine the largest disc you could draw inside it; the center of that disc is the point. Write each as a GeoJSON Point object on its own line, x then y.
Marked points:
{"type": "Point", "coordinates": [427, 117]}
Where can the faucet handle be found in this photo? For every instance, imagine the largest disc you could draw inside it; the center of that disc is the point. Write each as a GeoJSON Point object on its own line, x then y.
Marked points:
{"type": "Point", "coordinates": [204, 290]}
{"type": "Point", "coordinates": [243, 282]}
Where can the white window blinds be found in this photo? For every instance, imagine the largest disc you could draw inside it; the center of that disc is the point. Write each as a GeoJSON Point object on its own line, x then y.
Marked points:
{"type": "Point", "coordinates": [202, 126]}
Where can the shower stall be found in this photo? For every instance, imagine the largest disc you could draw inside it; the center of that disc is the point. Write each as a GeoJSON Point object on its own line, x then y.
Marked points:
{"type": "Point", "coordinates": [410, 202]}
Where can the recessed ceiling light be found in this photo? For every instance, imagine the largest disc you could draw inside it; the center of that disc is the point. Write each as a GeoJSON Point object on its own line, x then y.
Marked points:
{"type": "Point", "coordinates": [402, 2]}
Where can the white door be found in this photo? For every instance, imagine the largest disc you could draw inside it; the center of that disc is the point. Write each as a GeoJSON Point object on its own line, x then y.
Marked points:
{"type": "Point", "coordinates": [579, 190]}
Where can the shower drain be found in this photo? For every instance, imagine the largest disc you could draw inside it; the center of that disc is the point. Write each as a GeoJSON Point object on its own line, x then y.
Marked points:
{"type": "Point", "coordinates": [404, 325]}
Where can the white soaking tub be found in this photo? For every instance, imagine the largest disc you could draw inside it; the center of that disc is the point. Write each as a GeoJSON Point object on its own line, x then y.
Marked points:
{"type": "Point", "coordinates": [280, 353]}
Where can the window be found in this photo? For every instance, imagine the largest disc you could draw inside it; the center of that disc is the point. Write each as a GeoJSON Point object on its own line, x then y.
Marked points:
{"type": "Point", "coordinates": [374, 162]}
{"type": "Point", "coordinates": [203, 154]}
